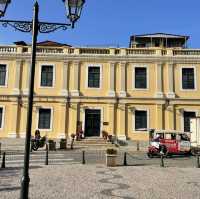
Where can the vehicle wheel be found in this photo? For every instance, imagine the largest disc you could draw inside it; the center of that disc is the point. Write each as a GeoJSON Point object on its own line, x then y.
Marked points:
{"type": "Point", "coordinates": [169, 155]}
{"type": "Point", "coordinates": [193, 152]}
{"type": "Point", "coordinates": [150, 155]}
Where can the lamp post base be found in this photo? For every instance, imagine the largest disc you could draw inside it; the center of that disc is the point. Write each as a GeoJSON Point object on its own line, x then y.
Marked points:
{"type": "Point", "coordinates": [24, 187]}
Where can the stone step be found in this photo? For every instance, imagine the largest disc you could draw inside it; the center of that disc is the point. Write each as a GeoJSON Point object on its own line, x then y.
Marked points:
{"type": "Point", "coordinates": [98, 142]}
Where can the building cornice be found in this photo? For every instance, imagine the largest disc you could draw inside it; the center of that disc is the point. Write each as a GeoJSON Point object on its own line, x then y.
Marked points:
{"type": "Point", "coordinates": [102, 58]}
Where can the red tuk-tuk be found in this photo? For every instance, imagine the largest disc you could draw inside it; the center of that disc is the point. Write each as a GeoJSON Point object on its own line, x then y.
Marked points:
{"type": "Point", "coordinates": [168, 142]}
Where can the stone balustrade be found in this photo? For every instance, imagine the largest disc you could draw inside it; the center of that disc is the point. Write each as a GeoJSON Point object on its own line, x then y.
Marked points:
{"type": "Point", "coordinates": [102, 51]}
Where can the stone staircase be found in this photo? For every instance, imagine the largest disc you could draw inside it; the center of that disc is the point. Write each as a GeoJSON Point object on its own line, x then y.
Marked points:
{"type": "Point", "coordinates": [94, 142]}
{"type": "Point", "coordinates": [17, 144]}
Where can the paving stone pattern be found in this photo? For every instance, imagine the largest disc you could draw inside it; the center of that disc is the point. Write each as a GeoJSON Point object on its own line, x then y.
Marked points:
{"type": "Point", "coordinates": [76, 181]}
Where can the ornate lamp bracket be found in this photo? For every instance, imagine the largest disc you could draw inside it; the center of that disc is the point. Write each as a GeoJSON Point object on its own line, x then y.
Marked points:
{"type": "Point", "coordinates": [27, 26]}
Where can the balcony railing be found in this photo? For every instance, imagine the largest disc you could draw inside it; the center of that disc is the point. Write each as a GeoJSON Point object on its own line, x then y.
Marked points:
{"type": "Point", "coordinates": [186, 52]}
{"type": "Point", "coordinates": [8, 49]}
{"type": "Point", "coordinates": [96, 51]}
{"type": "Point", "coordinates": [50, 50]}
{"type": "Point", "coordinates": [140, 52]}
{"type": "Point", "coordinates": [101, 51]}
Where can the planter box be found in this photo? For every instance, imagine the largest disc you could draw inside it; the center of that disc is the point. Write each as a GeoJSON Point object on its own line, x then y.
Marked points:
{"type": "Point", "coordinates": [52, 145]}
{"type": "Point", "coordinates": [63, 144]}
{"type": "Point", "coordinates": [111, 160]}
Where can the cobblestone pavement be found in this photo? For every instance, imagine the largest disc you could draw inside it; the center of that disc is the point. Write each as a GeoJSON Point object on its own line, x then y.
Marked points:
{"type": "Point", "coordinates": [76, 181]}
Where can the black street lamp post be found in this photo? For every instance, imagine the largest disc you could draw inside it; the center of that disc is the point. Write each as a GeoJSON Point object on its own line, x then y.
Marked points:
{"type": "Point", "coordinates": [74, 8]}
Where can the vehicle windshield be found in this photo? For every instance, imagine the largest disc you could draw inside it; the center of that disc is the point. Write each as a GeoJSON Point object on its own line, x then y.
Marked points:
{"type": "Point", "coordinates": [170, 136]}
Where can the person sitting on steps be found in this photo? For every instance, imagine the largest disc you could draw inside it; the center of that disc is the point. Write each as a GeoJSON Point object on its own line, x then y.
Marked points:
{"type": "Point", "coordinates": [37, 136]}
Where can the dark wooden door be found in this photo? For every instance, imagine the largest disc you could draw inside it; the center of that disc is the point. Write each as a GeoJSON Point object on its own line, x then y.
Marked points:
{"type": "Point", "coordinates": [92, 122]}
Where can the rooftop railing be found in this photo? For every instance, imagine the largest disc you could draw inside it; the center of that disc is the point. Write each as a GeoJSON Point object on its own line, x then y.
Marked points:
{"type": "Point", "coordinates": [101, 51]}
{"type": "Point", "coordinates": [186, 52]}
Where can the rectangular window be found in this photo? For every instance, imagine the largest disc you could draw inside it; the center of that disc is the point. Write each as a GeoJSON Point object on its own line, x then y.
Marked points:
{"type": "Point", "coordinates": [140, 77]}
{"type": "Point", "coordinates": [187, 117]}
{"type": "Point", "coordinates": [47, 76]}
{"type": "Point", "coordinates": [94, 77]}
{"type": "Point", "coordinates": [3, 71]}
{"type": "Point", "coordinates": [1, 117]}
{"type": "Point", "coordinates": [44, 119]}
{"type": "Point", "coordinates": [188, 78]}
{"type": "Point", "coordinates": [140, 120]}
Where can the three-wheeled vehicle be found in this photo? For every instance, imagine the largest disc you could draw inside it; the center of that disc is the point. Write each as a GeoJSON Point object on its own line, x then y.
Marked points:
{"type": "Point", "coordinates": [168, 142]}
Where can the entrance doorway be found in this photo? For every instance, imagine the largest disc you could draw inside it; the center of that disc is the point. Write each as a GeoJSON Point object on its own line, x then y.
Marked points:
{"type": "Point", "coordinates": [92, 122]}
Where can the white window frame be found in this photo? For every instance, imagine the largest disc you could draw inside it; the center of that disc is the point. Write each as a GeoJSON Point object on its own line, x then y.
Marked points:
{"type": "Point", "coordinates": [3, 116]}
{"type": "Point", "coordinates": [182, 115]}
{"type": "Point", "coordinates": [40, 76]}
{"type": "Point", "coordinates": [147, 77]}
{"type": "Point", "coordinates": [133, 119]}
{"type": "Point", "coordinates": [195, 78]}
{"type": "Point", "coordinates": [100, 78]}
{"type": "Point", "coordinates": [101, 122]}
{"type": "Point", "coordinates": [51, 120]}
{"type": "Point", "coordinates": [6, 79]}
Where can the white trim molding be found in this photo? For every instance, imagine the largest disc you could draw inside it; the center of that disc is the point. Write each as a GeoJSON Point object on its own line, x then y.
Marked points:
{"type": "Point", "coordinates": [133, 118]}
{"type": "Point", "coordinates": [159, 80]}
{"type": "Point", "coordinates": [123, 80]}
{"type": "Point", "coordinates": [171, 83]}
{"type": "Point", "coordinates": [182, 115]}
{"type": "Point", "coordinates": [3, 117]}
{"type": "Point", "coordinates": [195, 79]}
{"type": "Point", "coordinates": [6, 78]}
{"type": "Point", "coordinates": [64, 90]}
{"type": "Point", "coordinates": [51, 119]}
{"type": "Point", "coordinates": [40, 75]}
{"type": "Point", "coordinates": [147, 77]}
{"type": "Point", "coordinates": [100, 77]}
{"type": "Point", "coordinates": [111, 78]}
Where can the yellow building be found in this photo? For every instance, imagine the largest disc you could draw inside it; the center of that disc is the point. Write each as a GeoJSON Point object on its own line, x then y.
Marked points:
{"type": "Point", "coordinates": [155, 83]}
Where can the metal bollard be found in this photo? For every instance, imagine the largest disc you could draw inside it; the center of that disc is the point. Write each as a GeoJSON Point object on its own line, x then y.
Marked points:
{"type": "Point", "coordinates": [72, 144]}
{"type": "Point", "coordinates": [83, 157]}
{"type": "Point", "coordinates": [138, 145]}
{"type": "Point", "coordinates": [3, 164]}
{"type": "Point", "coordinates": [198, 162]}
{"type": "Point", "coordinates": [162, 160]}
{"type": "Point", "coordinates": [47, 155]}
{"type": "Point", "coordinates": [31, 149]}
{"type": "Point", "coordinates": [0, 149]}
{"type": "Point", "coordinates": [125, 159]}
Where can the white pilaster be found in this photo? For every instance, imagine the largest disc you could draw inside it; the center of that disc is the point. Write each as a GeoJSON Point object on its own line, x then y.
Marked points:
{"type": "Point", "coordinates": [159, 85]}
{"type": "Point", "coordinates": [123, 79]}
{"type": "Point", "coordinates": [64, 91]}
{"type": "Point", "coordinates": [27, 78]}
{"type": "Point", "coordinates": [170, 93]}
{"type": "Point", "coordinates": [75, 91]}
{"type": "Point", "coordinates": [111, 92]}
{"type": "Point", "coordinates": [16, 90]}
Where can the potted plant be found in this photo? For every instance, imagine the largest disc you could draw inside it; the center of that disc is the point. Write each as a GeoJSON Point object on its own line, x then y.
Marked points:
{"type": "Point", "coordinates": [52, 145]}
{"type": "Point", "coordinates": [63, 144]}
{"type": "Point", "coordinates": [111, 157]}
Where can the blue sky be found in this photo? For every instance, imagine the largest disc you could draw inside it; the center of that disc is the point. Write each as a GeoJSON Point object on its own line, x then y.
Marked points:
{"type": "Point", "coordinates": [109, 22]}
